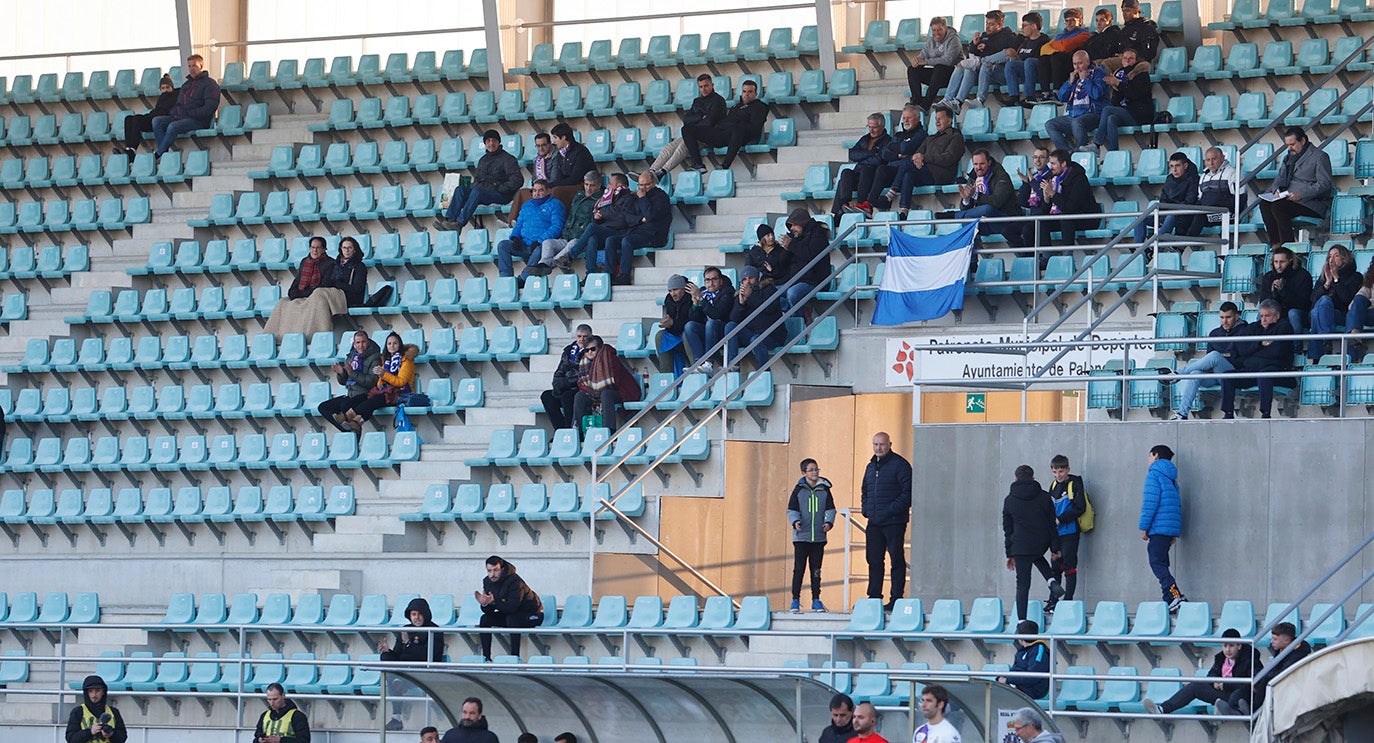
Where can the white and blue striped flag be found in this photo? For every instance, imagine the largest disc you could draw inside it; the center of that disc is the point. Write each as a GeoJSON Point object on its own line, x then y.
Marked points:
{"type": "Point", "coordinates": [924, 278]}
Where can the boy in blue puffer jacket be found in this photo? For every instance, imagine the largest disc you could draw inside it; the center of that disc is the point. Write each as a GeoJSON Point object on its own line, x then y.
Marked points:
{"type": "Point", "coordinates": [1161, 520]}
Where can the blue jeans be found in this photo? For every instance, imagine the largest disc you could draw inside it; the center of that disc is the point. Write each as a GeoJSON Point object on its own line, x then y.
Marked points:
{"type": "Point", "coordinates": [746, 336]}
{"type": "Point", "coordinates": [465, 201]}
{"type": "Point", "coordinates": [1166, 226]}
{"type": "Point", "coordinates": [1323, 317]}
{"type": "Point", "coordinates": [909, 177]}
{"type": "Point", "coordinates": [1158, 551]}
{"type": "Point", "coordinates": [1022, 75]}
{"type": "Point", "coordinates": [703, 335]}
{"type": "Point", "coordinates": [1062, 128]}
{"type": "Point", "coordinates": [980, 71]}
{"type": "Point", "coordinates": [166, 130]}
{"type": "Point", "coordinates": [594, 241]}
{"type": "Point", "coordinates": [1112, 118]}
{"type": "Point", "coordinates": [506, 250]}
{"type": "Point", "coordinates": [1357, 317]}
{"type": "Point", "coordinates": [1187, 388]}
{"type": "Point", "coordinates": [794, 295]}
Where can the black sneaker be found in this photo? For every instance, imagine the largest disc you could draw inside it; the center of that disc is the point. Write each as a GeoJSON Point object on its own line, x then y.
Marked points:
{"type": "Point", "coordinates": [395, 724]}
{"type": "Point", "coordinates": [1056, 590]}
{"type": "Point", "coordinates": [1178, 601]}
{"type": "Point", "coordinates": [539, 269]}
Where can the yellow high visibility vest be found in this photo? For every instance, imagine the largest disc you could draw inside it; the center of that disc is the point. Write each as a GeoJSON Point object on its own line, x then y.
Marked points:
{"type": "Point", "coordinates": [89, 719]}
{"type": "Point", "coordinates": [280, 726]}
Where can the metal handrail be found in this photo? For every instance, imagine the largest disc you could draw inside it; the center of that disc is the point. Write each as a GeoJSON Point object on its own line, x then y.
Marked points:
{"type": "Point", "coordinates": [217, 44]}
{"type": "Point", "coordinates": [88, 53]}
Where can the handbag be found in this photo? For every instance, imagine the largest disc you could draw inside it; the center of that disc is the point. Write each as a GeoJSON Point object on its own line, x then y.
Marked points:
{"type": "Point", "coordinates": [388, 393]}
{"type": "Point", "coordinates": [416, 400]}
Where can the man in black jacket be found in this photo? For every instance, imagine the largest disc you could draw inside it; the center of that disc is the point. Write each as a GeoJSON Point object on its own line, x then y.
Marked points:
{"type": "Point", "coordinates": [195, 107]}
{"type": "Point", "coordinates": [863, 182]}
{"type": "Point", "coordinates": [1029, 528]}
{"type": "Point", "coordinates": [494, 181]}
{"type": "Point", "coordinates": [1107, 41]}
{"type": "Point", "coordinates": [750, 297]}
{"type": "Point", "coordinates": [571, 162]}
{"type": "Point", "coordinates": [841, 727]}
{"type": "Point", "coordinates": [1220, 358]}
{"type": "Point", "coordinates": [1068, 192]}
{"type": "Point", "coordinates": [1138, 32]}
{"type": "Point", "coordinates": [1180, 187]}
{"type": "Point", "coordinates": [1280, 639]}
{"type": "Point", "coordinates": [986, 55]}
{"type": "Point", "coordinates": [806, 238]}
{"type": "Point", "coordinates": [647, 227]}
{"type": "Point", "coordinates": [610, 217]}
{"type": "Point", "coordinates": [1261, 356]}
{"type": "Point", "coordinates": [1289, 284]}
{"type": "Point", "coordinates": [558, 401]}
{"type": "Point", "coordinates": [885, 500]}
{"type": "Point", "coordinates": [472, 725]}
{"type": "Point", "coordinates": [95, 720]}
{"type": "Point", "coordinates": [741, 125]}
{"type": "Point", "coordinates": [1132, 99]}
{"type": "Point", "coordinates": [707, 110]}
{"type": "Point", "coordinates": [1245, 663]}
{"type": "Point", "coordinates": [711, 305]}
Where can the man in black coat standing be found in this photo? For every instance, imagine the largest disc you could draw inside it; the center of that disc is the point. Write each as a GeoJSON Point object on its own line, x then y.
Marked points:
{"type": "Point", "coordinates": [885, 498]}
{"type": "Point", "coordinates": [1029, 528]}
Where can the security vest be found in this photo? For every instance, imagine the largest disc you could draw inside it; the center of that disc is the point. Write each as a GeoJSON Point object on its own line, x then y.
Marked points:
{"type": "Point", "coordinates": [89, 719]}
{"type": "Point", "coordinates": [280, 726]}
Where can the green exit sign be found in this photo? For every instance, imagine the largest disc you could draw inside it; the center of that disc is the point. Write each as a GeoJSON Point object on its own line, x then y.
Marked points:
{"type": "Point", "coordinates": [975, 402]}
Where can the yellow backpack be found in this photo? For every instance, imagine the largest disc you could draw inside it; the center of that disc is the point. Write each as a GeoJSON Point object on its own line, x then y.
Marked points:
{"type": "Point", "coordinates": [1088, 520]}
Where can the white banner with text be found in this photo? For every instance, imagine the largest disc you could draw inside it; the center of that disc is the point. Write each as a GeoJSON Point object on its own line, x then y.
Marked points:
{"type": "Point", "coordinates": [907, 366]}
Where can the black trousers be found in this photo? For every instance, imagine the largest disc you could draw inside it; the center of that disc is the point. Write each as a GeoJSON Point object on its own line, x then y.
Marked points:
{"type": "Point", "coordinates": [502, 619]}
{"type": "Point", "coordinates": [803, 553]}
{"type": "Point", "coordinates": [1278, 219]}
{"type": "Point", "coordinates": [886, 542]}
{"type": "Point", "coordinates": [369, 404]}
{"type": "Point", "coordinates": [863, 183]}
{"type": "Point", "coordinates": [1054, 72]}
{"type": "Point", "coordinates": [609, 399]}
{"type": "Point", "coordinates": [1199, 691]}
{"type": "Point", "coordinates": [135, 127]}
{"type": "Point", "coordinates": [696, 135]}
{"type": "Point", "coordinates": [1023, 579]}
{"type": "Point", "coordinates": [336, 405]}
{"type": "Point", "coordinates": [1065, 567]}
{"type": "Point", "coordinates": [558, 405]}
{"type": "Point", "coordinates": [934, 77]}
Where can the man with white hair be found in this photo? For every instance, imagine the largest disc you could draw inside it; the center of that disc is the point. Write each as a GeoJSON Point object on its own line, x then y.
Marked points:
{"type": "Point", "coordinates": [1027, 726]}
{"type": "Point", "coordinates": [1216, 187]}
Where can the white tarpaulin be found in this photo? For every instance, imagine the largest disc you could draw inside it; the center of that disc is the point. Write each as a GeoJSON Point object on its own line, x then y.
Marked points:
{"type": "Point", "coordinates": [906, 366]}
{"type": "Point", "coordinates": [1317, 687]}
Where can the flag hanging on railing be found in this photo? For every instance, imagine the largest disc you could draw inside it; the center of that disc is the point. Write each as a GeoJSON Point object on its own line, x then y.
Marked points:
{"type": "Point", "coordinates": [924, 277]}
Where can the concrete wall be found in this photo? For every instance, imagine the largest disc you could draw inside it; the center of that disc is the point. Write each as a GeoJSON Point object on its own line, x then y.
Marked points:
{"type": "Point", "coordinates": [1268, 506]}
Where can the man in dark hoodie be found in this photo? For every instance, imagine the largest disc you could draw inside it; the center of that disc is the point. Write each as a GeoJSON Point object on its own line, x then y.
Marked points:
{"type": "Point", "coordinates": [411, 647]}
{"type": "Point", "coordinates": [1032, 656]}
{"type": "Point", "coordinates": [472, 725]}
{"type": "Point", "coordinates": [1029, 529]}
{"type": "Point", "coordinates": [195, 107]}
{"type": "Point", "coordinates": [1280, 639]}
{"type": "Point", "coordinates": [750, 297]}
{"type": "Point", "coordinates": [506, 602]}
{"type": "Point", "coordinates": [806, 238]}
{"type": "Point", "coordinates": [95, 720]}
{"type": "Point", "coordinates": [1068, 192]}
{"type": "Point", "coordinates": [1180, 187]}
{"type": "Point", "coordinates": [841, 727]}
{"type": "Point", "coordinates": [1260, 356]}
{"type": "Point", "coordinates": [885, 500]}
{"type": "Point", "coordinates": [811, 512]}
{"type": "Point", "coordinates": [711, 305]}
{"type": "Point", "coordinates": [139, 124]}
{"type": "Point", "coordinates": [283, 722]}
{"type": "Point", "coordinates": [355, 374]}
{"type": "Point", "coordinates": [860, 185]}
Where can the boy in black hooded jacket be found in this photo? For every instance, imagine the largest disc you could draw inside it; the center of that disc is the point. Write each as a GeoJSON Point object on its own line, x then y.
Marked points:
{"type": "Point", "coordinates": [95, 720]}
{"type": "Point", "coordinates": [1029, 528]}
{"type": "Point", "coordinates": [411, 647]}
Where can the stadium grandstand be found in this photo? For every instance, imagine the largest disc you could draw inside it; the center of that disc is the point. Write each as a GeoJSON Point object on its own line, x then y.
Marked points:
{"type": "Point", "coordinates": [279, 360]}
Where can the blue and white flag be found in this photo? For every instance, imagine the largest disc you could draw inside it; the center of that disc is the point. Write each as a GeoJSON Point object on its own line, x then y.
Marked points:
{"type": "Point", "coordinates": [924, 278]}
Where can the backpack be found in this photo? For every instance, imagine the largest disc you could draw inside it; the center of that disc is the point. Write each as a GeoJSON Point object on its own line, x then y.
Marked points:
{"type": "Point", "coordinates": [1088, 520]}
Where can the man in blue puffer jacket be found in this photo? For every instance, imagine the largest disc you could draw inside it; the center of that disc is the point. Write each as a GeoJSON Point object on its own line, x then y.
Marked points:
{"type": "Point", "coordinates": [195, 107]}
{"type": "Point", "coordinates": [1161, 520]}
{"type": "Point", "coordinates": [541, 218]}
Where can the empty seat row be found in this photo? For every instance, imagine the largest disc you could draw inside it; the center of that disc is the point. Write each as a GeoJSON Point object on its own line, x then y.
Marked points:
{"type": "Point", "coordinates": [534, 447]}
{"type": "Point", "coordinates": [23, 608]}
{"type": "Point", "coordinates": [1253, 110]}
{"type": "Point", "coordinates": [49, 262]}
{"type": "Point", "coordinates": [226, 453]}
{"type": "Point", "coordinates": [262, 350]}
{"type": "Point", "coordinates": [232, 401]}
{"type": "Point", "coordinates": [45, 129]}
{"type": "Point", "coordinates": [757, 393]}
{"type": "Point", "coordinates": [535, 502]}
{"type": "Point", "coordinates": [1245, 60]}
{"type": "Point", "coordinates": [317, 73]}
{"type": "Point", "coordinates": [116, 170]}
{"type": "Point", "coordinates": [187, 505]}
{"type": "Point", "coordinates": [997, 279]}
{"type": "Point", "coordinates": [660, 52]}
{"type": "Point", "coordinates": [1246, 13]}
{"type": "Point", "coordinates": [81, 215]}
{"type": "Point", "coordinates": [285, 207]}
{"type": "Point", "coordinates": [208, 672]}
{"type": "Point", "coordinates": [126, 84]}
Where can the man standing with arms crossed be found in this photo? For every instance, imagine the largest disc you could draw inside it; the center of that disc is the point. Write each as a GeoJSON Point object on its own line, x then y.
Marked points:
{"type": "Point", "coordinates": [885, 498]}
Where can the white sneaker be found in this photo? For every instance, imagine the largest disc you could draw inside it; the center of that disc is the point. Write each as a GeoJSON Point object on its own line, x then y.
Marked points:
{"type": "Point", "coordinates": [1177, 416]}
{"type": "Point", "coordinates": [706, 367]}
{"type": "Point", "coordinates": [1150, 706]}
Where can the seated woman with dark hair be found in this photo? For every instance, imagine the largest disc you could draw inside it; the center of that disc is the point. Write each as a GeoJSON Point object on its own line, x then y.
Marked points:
{"type": "Point", "coordinates": [395, 377]}
{"type": "Point", "coordinates": [323, 288]}
{"type": "Point", "coordinates": [607, 383]}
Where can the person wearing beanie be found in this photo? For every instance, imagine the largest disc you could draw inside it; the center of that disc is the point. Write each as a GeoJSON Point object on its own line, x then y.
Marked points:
{"type": "Point", "coordinates": [806, 238]}
{"type": "Point", "coordinates": [772, 260]}
{"type": "Point", "coordinates": [411, 647]}
{"type": "Point", "coordinates": [1032, 656]}
{"type": "Point", "coordinates": [95, 719]}
{"type": "Point", "coordinates": [677, 311]}
{"type": "Point", "coordinates": [494, 181]}
{"type": "Point", "coordinates": [140, 124]}
{"type": "Point", "coordinates": [751, 297]}
{"type": "Point", "coordinates": [1235, 660]}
